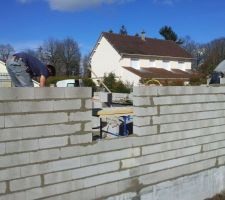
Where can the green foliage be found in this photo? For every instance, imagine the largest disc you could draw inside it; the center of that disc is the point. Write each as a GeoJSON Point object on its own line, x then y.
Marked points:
{"type": "Point", "coordinates": [88, 82]}
{"type": "Point", "coordinates": [114, 85]}
{"type": "Point", "coordinates": [198, 81]}
{"type": "Point", "coordinates": [123, 30]}
{"type": "Point", "coordinates": [168, 34]}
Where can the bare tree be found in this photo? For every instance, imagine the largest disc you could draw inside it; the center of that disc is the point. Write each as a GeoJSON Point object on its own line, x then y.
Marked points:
{"type": "Point", "coordinates": [5, 51]}
{"type": "Point", "coordinates": [195, 49]}
{"type": "Point", "coordinates": [214, 54]}
{"type": "Point", "coordinates": [86, 65]}
{"type": "Point", "coordinates": [69, 54]}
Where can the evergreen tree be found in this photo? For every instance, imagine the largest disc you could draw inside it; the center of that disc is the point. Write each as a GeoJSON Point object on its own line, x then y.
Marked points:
{"type": "Point", "coordinates": [123, 30]}
{"type": "Point", "coordinates": [168, 34]}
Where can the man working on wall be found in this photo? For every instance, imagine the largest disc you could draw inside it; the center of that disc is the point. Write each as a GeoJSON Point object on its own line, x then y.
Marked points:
{"type": "Point", "coordinates": [22, 67]}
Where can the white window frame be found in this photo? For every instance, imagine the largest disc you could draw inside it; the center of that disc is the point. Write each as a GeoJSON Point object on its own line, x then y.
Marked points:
{"type": "Point", "coordinates": [181, 65]}
{"type": "Point", "coordinates": [166, 64]}
{"type": "Point", "coordinates": [135, 63]}
{"type": "Point", "coordinates": [152, 62]}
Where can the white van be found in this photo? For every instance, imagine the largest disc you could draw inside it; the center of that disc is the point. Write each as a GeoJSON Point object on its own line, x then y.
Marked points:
{"type": "Point", "coordinates": [70, 83]}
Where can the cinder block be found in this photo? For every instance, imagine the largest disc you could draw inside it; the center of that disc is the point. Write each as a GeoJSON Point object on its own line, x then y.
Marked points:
{"type": "Point", "coordinates": [173, 100]}
{"type": "Point", "coordinates": [106, 190]}
{"type": "Point", "coordinates": [65, 164]}
{"type": "Point", "coordinates": [73, 104]}
{"type": "Point", "coordinates": [44, 155]}
{"type": "Point", "coordinates": [80, 116]}
{"type": "Point", "coordinates": [145, 91]}
{"type": "Point", "coordinates": [16, 94]}
{"type": "Point", "coordinates": [80, 139]}
{"type": "Point", "coordinates": [49, 93]}
{"type": "Point", "coordinates": [20, 146]}
{"type": "Point", "coordinates": [191, 108]}
{"type": "Point", "coordinates": [66, 152]}
{"type": "Point", "coordinates": [35, 119]}
{"type": "Point", "coordinates": [11, 107]}
{"type": "Point", "coordinates": [221, 160]}
{"type": "Point", "coordinates": [145, 130]}
{"type": "Point", "coordinates": [106, 178]}
{"type": "Point", "coordinates": [26, 183]}
{"type": "Point", "coordinates": [10, 134]}
{"type": "Point", "coordinates": [2, 187]}
{"type": "Point", "coordinates": [36, 106]}
{"type": "Point", "coordinates": [88, 104]}
{"type": "Point", "coordinates": [141, 121]}
{"type": "Point", "coordinates": [58, 177]}
{"type": "Point", "coordinates": [31, 170]}
{"type": "Point", "coordinates": [148, 111]}
{"type": "Point", "coordinates": [2, 106]}
{"type": "Point", "coordinates": [79, 92]}
{"type": "Point", "coordinates": [17, 196]}
{"type": "Point", "coordinates": [8, 174]}
{"type": "Point", "coordinates": [37, 131]}
{"type": "Point", "coordinates": [64, 129]}
{"type": "Point", "coordinates": [188, 90]}
{"type": "Point", "coordinates": [2, 121]}
{"type": "Point", "coordinates": [142, 101]}
{"type": "Point", "coordinates": [88, 127]}
{"type": "Point", "coordinates": [14, 160]}
{"type": "Point", "coordinates": [53, 142]}
{"type": "Point", "coordinates": [2, 148]}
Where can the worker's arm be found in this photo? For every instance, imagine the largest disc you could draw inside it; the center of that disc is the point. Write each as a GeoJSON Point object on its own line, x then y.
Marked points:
{"type": "Point", "coordinates": [42, 81]}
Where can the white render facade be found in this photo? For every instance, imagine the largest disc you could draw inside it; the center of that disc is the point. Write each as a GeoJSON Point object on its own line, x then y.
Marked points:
{"type": "Point", "coordinates": [106, 59]}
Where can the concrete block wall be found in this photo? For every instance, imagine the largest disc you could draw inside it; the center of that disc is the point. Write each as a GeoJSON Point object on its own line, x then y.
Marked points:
{"type": "Point", "coordinates": [38, 126]}
{"type": "Point", "coordinates": [184, 129]}
{"type": "Point", "coordinates": [46, 150]}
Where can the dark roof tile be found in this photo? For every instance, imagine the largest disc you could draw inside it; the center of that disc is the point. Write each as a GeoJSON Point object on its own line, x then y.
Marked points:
{"type": "Point", "coordinates": [135, 45]}
{"type": "Point", "coordinates": [160, 73]}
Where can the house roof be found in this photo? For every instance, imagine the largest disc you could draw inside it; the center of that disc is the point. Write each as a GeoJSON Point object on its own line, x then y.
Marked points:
{"type": "Point", "coordinates": [126, 44]}
{"type": "Point", "coordinates": [160, 73]}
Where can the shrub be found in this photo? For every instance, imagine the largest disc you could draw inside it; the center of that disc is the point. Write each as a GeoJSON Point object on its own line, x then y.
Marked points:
{"type": "Point", "coordinates": [115, 85]}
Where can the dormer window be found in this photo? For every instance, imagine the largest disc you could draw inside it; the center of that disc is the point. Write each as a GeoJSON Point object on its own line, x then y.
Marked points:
{"type": "Point", "coordinates": [135, 63]}
{"type": "Point", "coordinates": [151, 63]}
{"type": "Point", "coordinates": [166, 64]}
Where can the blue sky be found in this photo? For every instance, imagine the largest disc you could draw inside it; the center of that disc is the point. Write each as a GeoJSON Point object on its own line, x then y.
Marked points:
{"type": "Point", "coordinates": [28, 23]}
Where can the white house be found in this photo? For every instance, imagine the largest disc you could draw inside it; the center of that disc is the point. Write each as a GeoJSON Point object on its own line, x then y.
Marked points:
{"type": "Point", "coordinates": [5, 80]}
{"type": "Point", "coordinates": [134, 57]}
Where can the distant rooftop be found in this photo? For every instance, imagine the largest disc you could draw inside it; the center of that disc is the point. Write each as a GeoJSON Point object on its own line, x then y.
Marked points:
{"type": "Point", "coordinates": [126, 44]}
{"type": "Point", "coordinates": [160, 73]}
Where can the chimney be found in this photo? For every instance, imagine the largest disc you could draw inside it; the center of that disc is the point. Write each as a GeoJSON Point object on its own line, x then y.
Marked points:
{"type": "Point", "coordinates": [143, 35]}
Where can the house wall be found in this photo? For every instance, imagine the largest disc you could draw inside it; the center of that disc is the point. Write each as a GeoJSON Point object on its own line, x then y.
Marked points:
{"type": "Point", "coordinates": [177, 150]}
{"type": "Point", "coordinates": [5, 80]}
{"type": "Point", "coordinates": [3, 68]}
{"type": "Point", "coordinates": [145, 62]}
{"type": "Point", "coordinates": [105, 59]}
